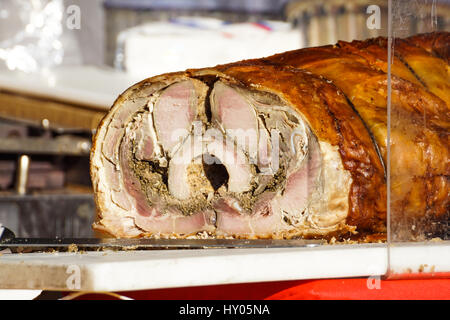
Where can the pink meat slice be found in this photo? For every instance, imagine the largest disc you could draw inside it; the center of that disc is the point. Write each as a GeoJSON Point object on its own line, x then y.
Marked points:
{"type": "Point", "coordinates": [111, 143]}
{"type": "Point", "coordinates": [174, 113]}
{"type": "Point", "coordinates": [173, 222]}
{"type": "Point", "coordinates": [230, 220]}
{"type": "Point", "coordinates": [130, 183]}
{"type": "Point", "coordinates": [111, 175]}
{"type": "Point", "coordinates": [266, 218]}
{"type": "Point", "coordinates": [116, 130]}
{"type": "Point", "coordinates": [143, 140]}
{"type": "Point", "coordinates": [302, 183]}
{"type": "Point", "coordinates": [235, 114]}
{"type": "Point", "coordinates": [262, 222]}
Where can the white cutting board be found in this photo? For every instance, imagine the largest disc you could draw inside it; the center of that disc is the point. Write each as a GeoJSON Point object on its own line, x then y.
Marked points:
{"type": "Point", "coordinates": [421, 257]}
{"type": "Point", "coordinates": [149, 269]}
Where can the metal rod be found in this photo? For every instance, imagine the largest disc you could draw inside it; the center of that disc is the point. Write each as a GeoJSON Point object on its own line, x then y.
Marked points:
{"type": "Point", "coordinates": [22, 174]}
{"type": "Point", "coordinates": [93, 243]}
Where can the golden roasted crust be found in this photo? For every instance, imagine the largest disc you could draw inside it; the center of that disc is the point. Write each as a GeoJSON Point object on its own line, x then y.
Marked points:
{"type": "Point", "coordinates": [436, 43]}
{"type": "Point", "coordinates": [375, 53]}
{"type": "Point", "coordinates": [431, 71]}
{"type": "Point", "coordinates": [419, 146]}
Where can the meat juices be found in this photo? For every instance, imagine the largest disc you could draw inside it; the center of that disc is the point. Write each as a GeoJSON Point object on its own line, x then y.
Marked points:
{"type": "Point", "coordinates": [270, 148]}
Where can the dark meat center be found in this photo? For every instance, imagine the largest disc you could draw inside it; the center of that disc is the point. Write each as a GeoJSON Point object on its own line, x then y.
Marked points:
{"type": "Point", "coordinates": [215, 171]}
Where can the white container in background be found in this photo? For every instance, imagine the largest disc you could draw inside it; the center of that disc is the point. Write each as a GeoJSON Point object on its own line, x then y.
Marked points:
{"type": "Point", "coordinates": [183, 43]}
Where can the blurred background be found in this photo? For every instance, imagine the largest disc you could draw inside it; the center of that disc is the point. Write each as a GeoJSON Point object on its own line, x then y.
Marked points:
{"type": "Point", "coordinates": [63, 63]}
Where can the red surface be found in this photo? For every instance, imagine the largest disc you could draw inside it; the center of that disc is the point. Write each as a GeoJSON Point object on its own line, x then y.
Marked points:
{"type": "Point", "coordinates": [368, 289]}
{"type": "Point", "coordinates": [335, 289]}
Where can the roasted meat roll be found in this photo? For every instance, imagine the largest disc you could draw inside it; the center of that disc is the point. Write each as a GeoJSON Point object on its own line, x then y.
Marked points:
{"type": "Point", "coordinates": [293, 145]}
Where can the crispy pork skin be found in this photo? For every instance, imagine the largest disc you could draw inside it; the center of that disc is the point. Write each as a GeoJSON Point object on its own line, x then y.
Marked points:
{"type": "Point", "coordinates": [292, 145]}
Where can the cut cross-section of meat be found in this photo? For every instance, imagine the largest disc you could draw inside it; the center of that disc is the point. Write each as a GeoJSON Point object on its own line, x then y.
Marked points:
{"type": "Point", "coordinates": [216, 178]}
{"type": "Point", "coordinates": [173, 113]}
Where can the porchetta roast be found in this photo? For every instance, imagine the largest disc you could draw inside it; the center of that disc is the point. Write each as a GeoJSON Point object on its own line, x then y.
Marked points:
{"type": "Point", "coordinates": [293, 145]}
